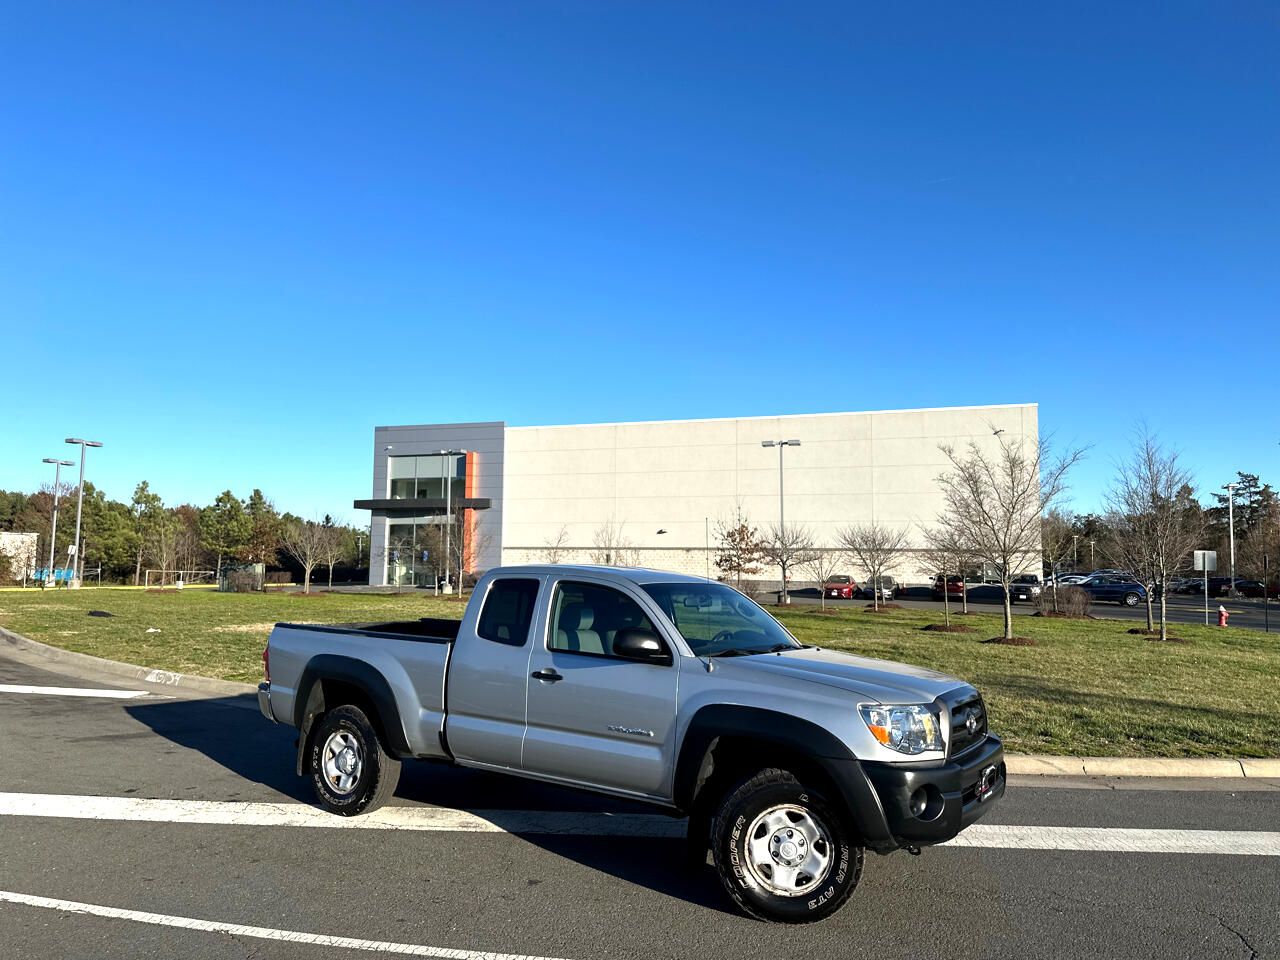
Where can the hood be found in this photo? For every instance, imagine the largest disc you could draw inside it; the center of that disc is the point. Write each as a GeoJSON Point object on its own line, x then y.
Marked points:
{"type": "Point", "coordinates": [880, 680]}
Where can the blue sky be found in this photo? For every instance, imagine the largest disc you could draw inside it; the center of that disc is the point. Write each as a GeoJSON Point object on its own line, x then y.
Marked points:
{"type": "Point", "coordinates": [235, 237]}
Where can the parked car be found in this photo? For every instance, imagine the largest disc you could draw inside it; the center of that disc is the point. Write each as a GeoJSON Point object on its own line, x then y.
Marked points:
{"type": "Point", "coordinates": [1025, 586]}
{"type": "Point", "coordinates": [1115, 587]}
{"type": "Point", "coordinates": [841, 586]}
{"type": "Point", "coordinates": [1066, 580]}
{"type": "Point", "coordinates": [954, 585]}
{"type": "Point", "coordinates": [1250, 588]}
{"type": "Point", "coordinates": [789, 760]}
{"type": "Point", "coordinates": [886, 586]}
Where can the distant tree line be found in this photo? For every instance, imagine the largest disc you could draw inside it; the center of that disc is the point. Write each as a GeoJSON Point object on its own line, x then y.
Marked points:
{"type": "Point", "coordinates": [124, 539]}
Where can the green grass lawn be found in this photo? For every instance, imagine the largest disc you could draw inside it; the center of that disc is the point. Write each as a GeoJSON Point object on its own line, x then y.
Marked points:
{"type": "Point", "coordinates": [1088, 688]}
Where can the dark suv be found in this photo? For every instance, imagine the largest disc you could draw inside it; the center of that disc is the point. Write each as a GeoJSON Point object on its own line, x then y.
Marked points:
{"type": "Point", "coordinates": [1115, 587]}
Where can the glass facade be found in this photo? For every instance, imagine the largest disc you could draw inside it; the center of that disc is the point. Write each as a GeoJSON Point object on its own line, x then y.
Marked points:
{"type": "Point", "coordinates": [416, 544]}
{"type": "Point", "coordinates": [426, 477]}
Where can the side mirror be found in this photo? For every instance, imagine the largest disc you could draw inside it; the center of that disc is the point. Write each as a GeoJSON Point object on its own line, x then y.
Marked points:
{"type": "Point", "coordinates": [641, 646]}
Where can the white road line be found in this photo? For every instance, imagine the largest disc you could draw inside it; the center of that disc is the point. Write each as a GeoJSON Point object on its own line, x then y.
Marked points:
{"type": "Point", "coordinates": [261, 933]}
{"type": "Point", "coordinates": [299, 815]}
{"type": "Point", "coordinates": [1258, 843]}
{"type": "Point", "coordinates": [72, 691]}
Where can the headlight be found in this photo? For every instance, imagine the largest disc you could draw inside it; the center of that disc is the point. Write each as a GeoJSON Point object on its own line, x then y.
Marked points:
{"type": "Point", "coordinates": [909, 729]}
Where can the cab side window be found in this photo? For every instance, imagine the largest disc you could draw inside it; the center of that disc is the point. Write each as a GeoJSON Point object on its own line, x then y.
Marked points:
{"type": "Point", "coordinates": [585, 618]}
{"type": "Point", "coordinates": [508, 611]}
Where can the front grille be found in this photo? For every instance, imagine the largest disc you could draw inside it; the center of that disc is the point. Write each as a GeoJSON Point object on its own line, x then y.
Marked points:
{"type": "Point", "coordinates": [963, 708]}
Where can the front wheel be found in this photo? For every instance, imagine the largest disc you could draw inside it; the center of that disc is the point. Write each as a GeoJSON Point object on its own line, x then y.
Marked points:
{"type": "Point", "coordinates": [1131, 600]}
{"type": "Point", "coordinates": [351, 771]}
{"type": "Point", "coordinates": [783, 852]}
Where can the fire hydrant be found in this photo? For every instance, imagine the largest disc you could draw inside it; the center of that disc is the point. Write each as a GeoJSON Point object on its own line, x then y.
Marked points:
{"type": "Point", "coordinates": [1222, 615]}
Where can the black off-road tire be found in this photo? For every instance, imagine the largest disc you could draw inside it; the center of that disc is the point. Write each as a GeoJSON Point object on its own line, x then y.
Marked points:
{"type": "Point", "coordinates": [378, 774]}
{"type": "Point", "coordinates": [753, 796]}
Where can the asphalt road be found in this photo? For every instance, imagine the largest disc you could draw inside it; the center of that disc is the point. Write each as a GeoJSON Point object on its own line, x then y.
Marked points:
{"type": "Point", "coordinates": [576, 895]}
{"type": "Point", "coordinates": [987, 599]}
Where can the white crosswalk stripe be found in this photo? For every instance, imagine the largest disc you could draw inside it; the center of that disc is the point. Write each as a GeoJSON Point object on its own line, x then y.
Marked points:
{"type": "Point", "coordinates": [71, 691]}
{"type": "Point", "coordinates": [990, 836]}
{"type": "Point", "coordinates": [259, 933]}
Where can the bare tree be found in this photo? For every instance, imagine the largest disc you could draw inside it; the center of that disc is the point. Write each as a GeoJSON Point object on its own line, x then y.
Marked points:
{"type": "Point", "coordinates": [952, 555]}
{"type": "Point", "coordinates": [556, 547]}
{"type": "Point", "coordinates": [822, 566]}
{"type": "Point", "coordinates": [304, 541]}
{"type": "Point", "coordinates": [994, 500]}
{"type": "Point", "coordinates": [333, 546]}
{"type": "Point", "coordinates": [1056, 544]}
{"type": "Point", "coordinates": [787, 548]}
{"type": "Point", "coordinates": [738, 547]}
{"type": "Point", "coordinates": [1153, 518]}
{"type": "Point", "coordinates": [468, 542]}
{"type": "Point", "coordinates": [612, 547]}
{"type": "Point", "coordinates": [876, 548]}
{"type": "Point", "coordinates": [162, 542]}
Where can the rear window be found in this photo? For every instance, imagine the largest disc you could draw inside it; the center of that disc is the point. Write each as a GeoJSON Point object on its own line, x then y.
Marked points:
{"type": "Point", "coordinates": [508, 611]}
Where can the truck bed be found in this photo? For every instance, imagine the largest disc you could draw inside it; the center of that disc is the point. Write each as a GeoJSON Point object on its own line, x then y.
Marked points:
{"type": "Point", "coordinates": [430, 629]}
{"type": "Point", "coordinates": [410, 656]}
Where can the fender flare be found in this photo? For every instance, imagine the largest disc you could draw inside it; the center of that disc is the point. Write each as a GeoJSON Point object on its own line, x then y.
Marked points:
{"type": "Point", "coordinates": [310, 703]}
{"type": "Point", "coordinates": [805, 738]}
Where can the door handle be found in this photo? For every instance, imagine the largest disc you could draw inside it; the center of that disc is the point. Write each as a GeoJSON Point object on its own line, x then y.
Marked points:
{"type": "Point", "coordinates": [549, 676]}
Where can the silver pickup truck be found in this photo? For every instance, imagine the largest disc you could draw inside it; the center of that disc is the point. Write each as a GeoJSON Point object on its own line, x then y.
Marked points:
{"type": "Point", "coordinates": [789, 760]}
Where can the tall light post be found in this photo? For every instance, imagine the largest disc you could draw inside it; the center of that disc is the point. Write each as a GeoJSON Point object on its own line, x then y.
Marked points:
{"type": "Point", "coordinates": [57, 488]}
{"type": "Point", "coordinates": [1231, 533]}
{"type": "Point", "coordinates": [1075, 559]}
{"type": "Point", "coordinates": [448, 516]}
{"type": "Point", "coordinates": [1093, 560]}
{"type": "Point", "coordinates": [75, 556]}
{"type": "Point", "coordinates": [782, 510]}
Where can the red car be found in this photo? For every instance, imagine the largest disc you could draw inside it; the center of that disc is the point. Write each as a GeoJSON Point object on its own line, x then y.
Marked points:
{"type": "Point", "coordinates": [840, 586]}
{"type": "Point", "coordinates": [955, 586]}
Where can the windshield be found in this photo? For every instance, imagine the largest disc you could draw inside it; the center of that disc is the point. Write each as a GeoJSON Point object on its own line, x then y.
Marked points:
{"type": "Point", "coordinates": [838, 578]}
{"type": "Point", "coordinates": [717, 621]}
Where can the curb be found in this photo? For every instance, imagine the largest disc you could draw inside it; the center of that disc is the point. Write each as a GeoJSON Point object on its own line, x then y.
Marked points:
{"type": "Point", "coordinates": [1214, 767]}
{"type": "Point", "coordinates": [1018, 764]}
{"type": "Point", "coordinates": [10, 641]}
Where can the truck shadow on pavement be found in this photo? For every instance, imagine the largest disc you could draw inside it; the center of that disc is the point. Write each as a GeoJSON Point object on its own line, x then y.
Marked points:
{"type": "Point", "coordinates": [230, 732]}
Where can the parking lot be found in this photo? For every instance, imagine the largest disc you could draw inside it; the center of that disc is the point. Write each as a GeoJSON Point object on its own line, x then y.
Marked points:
{"type": "Point", "coordinates": [139, 822]}
{"type": "Point", "coordinates": [987, 598]}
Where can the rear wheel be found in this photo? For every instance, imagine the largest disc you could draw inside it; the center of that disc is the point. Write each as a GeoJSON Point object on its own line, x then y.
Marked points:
{"type": "Point", "coordinates": [783, 852]}
{"type": "Point", "coordinates": [1131, 600]}
{"type": "Point", "coordinates": [351, 771]}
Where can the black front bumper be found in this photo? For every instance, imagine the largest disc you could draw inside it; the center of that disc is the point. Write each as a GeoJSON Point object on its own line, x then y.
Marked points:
{"type": "Point", "coordinates": [917, 804]}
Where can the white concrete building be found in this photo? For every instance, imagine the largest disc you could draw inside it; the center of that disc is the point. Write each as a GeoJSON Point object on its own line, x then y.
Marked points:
{"type": "Point", "coordinates": [660, 486]}
{"type": "Point", "coordinates": [20, 548]}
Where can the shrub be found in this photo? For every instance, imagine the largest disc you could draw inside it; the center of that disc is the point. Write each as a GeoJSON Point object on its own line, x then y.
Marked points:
{"type": "Point", "coordinates": [1072, 602]}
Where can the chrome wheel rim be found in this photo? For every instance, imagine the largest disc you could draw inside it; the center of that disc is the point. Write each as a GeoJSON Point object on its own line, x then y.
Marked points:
{"type": "Point", "coordinates": [789, 850]}
{"type": "Point", "coordinates": [342, 761]}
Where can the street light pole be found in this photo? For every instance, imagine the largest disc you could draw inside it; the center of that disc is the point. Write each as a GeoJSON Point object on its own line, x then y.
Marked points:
{"type": "Point", "coordinates": [1231, 534]}
{"type": "Point", "coordinates": [57, 487]}
{"type": "Point", "coordinates": [75, 556]}
{"type": "Point", "coordinates": [782, 510]}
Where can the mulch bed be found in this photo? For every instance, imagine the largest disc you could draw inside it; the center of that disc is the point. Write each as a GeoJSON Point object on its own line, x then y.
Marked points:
{"type": "Point", "coordinates": [944, 628]}
{"type": "Point", "coordinates": [1012, 641]}
{"type": "Point", "coordinates": [884, 606]}
{"type": "Point", "coordinates": [1153, 635]}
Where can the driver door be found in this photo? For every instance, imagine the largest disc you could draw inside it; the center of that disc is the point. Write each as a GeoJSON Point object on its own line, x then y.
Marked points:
{"type": "Point", "coordinates": [593, 717]}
